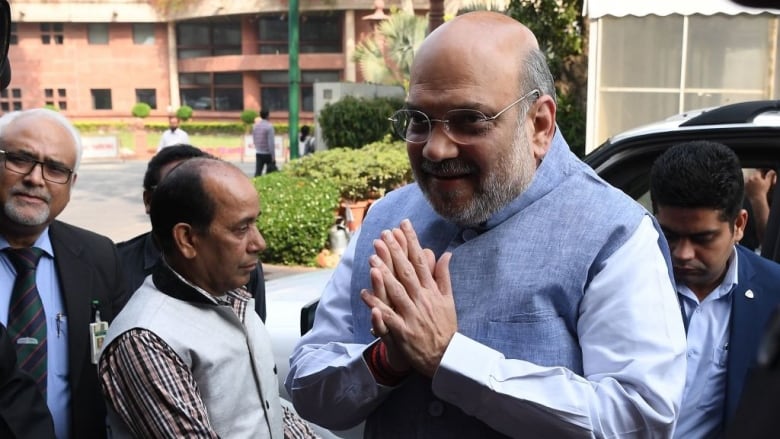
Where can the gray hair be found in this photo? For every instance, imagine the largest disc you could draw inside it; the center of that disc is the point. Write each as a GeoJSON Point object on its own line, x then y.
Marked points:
{"type": "Point", "coordinates": [535, 74]}
{"type": "Point", "coordinates": [8, 118]}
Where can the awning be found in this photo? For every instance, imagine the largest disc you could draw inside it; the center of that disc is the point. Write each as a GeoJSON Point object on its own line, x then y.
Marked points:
{"type": "Point", "coordinates": [640, 8]}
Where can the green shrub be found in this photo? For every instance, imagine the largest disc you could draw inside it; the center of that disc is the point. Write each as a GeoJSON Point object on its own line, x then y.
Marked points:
{"type": "Point", "coordinates": [184, 113]}
{"type": "Point", "coordinates": [248, 117]}
{"type": "Point", "coordinates": [359, 174]}
{"type": "Point", "coordinates": [52, 107]}
{"type": "Point", "coordinates": [101, 127]}
{"type": "Point", "coordinates": [354, 122]}
{"type": "Point", "coordinates": [141, 109]}
{"type": "Point", "coordinates": [297, 213]}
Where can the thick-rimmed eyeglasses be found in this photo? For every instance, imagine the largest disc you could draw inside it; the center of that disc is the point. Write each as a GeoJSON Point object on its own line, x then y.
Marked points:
{"type": "Point", "coordinates": [462, 125]}
{"type": "Point", "coordinates": [24, 164]}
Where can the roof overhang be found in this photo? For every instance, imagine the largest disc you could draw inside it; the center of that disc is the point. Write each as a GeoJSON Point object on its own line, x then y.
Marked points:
{"type": "Point", "coordinates": [621, 8]}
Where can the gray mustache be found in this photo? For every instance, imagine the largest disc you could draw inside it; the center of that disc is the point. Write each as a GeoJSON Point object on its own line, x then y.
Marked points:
{"type": "Point", "coordinates": [37, 194]}
{"type": "Point", "coordinates": [447, 167]}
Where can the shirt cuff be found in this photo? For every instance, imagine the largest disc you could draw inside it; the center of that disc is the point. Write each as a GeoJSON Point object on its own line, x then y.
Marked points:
{"type": "Point", "coordinates": [461, 378]}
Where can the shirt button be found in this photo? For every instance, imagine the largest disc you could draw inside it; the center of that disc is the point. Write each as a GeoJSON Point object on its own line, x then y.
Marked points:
{"type": "Point", "coordinates": [436, 408]}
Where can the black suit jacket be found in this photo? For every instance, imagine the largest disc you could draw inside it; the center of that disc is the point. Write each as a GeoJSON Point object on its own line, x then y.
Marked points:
{"type": "Point", "coordinates": [88, 270]}
{"type": "Point", "coordinates": [23, 411]}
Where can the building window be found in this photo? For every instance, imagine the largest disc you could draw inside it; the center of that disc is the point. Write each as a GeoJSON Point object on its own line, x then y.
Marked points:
{"type": "Point", "coordinates": [319, 33]}
{"type": "Point", "coordinates": [147, 95]}
{"type": "Point", "coordinates": [212, 91]}
{"type": "Point", "coordinates": [52, 33]}
{"type": "Point", "coordinates": [673, 64]}
{"type": "Point", "coordinates": [275, 91]}
{"type": "Point", "coordinates": [208, 38]}
{"type": "Point", "coordinates": [97, 33]}
{"type": "Point", "coordinates": [56, 98]}
{"type": "Point", "coordinates": [101, 98]}
{"type": "Point", "coordinates": [11, 100]}
{"type": "Point", "coordinates": [14, 37]}
{"type": "Point", "coordinates": [143, 34]}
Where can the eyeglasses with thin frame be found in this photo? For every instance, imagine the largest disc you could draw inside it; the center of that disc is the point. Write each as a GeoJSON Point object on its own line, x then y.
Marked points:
{"type": "Point", "coordinates": [24, 164]}
{"type": "Point", "coordinates": [462, 125]}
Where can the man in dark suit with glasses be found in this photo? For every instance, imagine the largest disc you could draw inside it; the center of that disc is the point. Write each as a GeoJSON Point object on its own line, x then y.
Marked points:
{"type": "Point", "coordinates": [58, 283]}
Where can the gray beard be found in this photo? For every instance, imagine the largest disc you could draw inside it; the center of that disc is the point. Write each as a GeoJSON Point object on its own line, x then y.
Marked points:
{"type": "Point", "coordinates": [13, 211]}
{"type": "Point", "coordinates": [510, 179]}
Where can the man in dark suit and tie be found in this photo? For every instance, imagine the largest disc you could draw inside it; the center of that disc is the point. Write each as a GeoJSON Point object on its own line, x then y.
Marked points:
{"type": "Point", "coordinates": [726, 292]}
{"type": "Point", "coordinates": [77, 280]}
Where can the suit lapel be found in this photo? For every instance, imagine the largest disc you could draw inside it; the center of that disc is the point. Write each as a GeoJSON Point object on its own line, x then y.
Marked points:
{"type": "Point", "coordinates": [744, 330]}
{"type": "Point", "coordinates": [75, 278]}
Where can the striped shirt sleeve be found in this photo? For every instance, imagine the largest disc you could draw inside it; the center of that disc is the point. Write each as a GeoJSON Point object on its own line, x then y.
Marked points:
{"type": "Point", "coordinates": [151, 388]}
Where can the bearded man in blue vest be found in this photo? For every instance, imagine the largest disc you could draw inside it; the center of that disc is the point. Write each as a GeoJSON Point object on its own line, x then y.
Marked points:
{"type": "Point", "coordinates": [509, 291]}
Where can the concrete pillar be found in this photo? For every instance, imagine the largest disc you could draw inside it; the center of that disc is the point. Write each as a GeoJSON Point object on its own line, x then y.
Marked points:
{"type": "Point", "coordinates": [350, 69]}
{"type": "Point", "coordinates": [173, 70]}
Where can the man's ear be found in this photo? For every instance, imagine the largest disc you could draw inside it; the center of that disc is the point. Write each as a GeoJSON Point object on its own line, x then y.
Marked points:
{"type": "Point", "coordinates": [185, 239]}
{"type": "Point", "coordinates": [542, 117]}
{"type": "Point", "coordinates": [147, 200]}
{"type": "Point", "coordinates": [739, 225]}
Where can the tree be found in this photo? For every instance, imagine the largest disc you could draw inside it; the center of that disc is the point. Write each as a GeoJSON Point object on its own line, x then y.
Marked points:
{"type": "Point", "coordinates": [561, 31]}
{"type": "Point", "coordinates": [385, 57]}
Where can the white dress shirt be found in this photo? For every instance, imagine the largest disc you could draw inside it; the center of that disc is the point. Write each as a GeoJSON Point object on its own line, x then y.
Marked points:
{"type": "Point", "coordinates": [170, 138]}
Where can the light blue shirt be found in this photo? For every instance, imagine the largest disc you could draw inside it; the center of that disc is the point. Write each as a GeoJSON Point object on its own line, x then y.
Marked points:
{"type": "Point", "coordinates": [701, 414]}
{"type": "Point", "coordinates": [58, 387]}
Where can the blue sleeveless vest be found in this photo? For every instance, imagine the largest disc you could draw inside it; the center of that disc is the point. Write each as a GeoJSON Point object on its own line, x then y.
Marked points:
{"type": "Point", "coordinates": [517, 280]}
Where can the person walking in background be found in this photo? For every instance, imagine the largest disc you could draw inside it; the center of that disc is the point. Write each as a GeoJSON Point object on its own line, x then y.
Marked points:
{"type": "Point", "coordinates": [726, 292]}
{"type": "Point", "coordinates": [265, 150]}
{"type": "Point", "coordinates": [307, 142]}
{"type": "Point", "coordinates": [48, 306]}
{"type": "Point", "coordinates": [173, 135]}
{"type": "Point", "coordinates": [139, 255]}
{"type": "Point", "coordinates": [513, 298]}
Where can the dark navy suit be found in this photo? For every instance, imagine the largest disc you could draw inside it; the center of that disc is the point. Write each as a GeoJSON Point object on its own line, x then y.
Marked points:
{"type": "Point", "coordinates": [753, 300]}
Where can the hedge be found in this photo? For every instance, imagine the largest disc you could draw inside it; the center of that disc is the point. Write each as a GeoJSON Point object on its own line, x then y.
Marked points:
{"type": "Point", "coordinates": [206, 128]}
{"type": "Point", "coordinates": [296, 216]}
{"type": "Point", "coordinates": [360, 174]}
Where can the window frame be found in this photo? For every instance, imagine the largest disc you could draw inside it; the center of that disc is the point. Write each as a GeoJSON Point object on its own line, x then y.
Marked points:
{"type": "Point", "coordinates": [266, 46]}
{"type": "Point", "coordinates": [94, 94]}
{"type": "Point", "coordinates": [210, 48]}
{"type": "Point", "coordinates": [209, 85]}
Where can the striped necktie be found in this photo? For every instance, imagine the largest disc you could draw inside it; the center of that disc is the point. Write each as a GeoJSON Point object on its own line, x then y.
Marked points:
{"type": "Point", "coordinates": [26, 318]}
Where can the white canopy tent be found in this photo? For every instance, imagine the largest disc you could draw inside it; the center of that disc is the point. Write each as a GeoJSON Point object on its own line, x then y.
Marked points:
{"type": "Point", "coordinates": [638, 8]}
{"type": "Point", "coordinates": [651, 59]}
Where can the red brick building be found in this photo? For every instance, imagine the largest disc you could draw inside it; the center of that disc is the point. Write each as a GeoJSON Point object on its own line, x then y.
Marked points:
{"type": "Point", "coordinates": [96, 59]}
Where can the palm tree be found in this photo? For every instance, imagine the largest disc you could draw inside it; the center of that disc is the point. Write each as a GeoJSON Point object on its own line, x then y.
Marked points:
{"type": "Point", "coordinates": [385, 57]}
